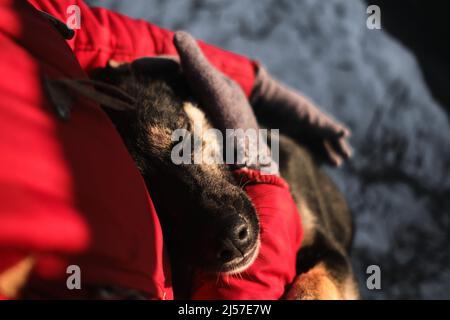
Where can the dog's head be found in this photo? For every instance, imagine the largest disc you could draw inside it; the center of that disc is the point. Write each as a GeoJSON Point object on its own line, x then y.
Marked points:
{"type": "Point", "coordinates": [207, 217]}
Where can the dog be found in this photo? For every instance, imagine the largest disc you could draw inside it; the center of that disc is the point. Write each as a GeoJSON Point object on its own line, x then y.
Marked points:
{"type": "Point", "coordinates": [190, 199]}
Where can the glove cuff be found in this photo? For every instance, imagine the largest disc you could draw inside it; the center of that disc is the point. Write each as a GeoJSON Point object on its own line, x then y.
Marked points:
{"type": "Point", "coordinates": [252, 176]}
{"type": "Point", "coordinates": [254, 153]}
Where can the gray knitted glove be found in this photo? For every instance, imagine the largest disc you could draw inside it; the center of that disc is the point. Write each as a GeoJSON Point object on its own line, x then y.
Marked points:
{"type": "Point", "coordinates": [288, 109]}
{"type": "Point", "coordinates": [223, 100]}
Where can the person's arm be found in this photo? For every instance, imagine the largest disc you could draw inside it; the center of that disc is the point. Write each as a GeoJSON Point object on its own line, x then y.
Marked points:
{"type": "Point", "coordinates": [280, 225]}
{"type": "Point", "coordinates": [106, 35]}
{"type": "Point", "coordinates": [281, 234]}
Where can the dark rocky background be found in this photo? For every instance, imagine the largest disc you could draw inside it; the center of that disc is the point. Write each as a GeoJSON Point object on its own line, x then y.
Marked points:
{"type": "Point", "coordinates": [398, 183]}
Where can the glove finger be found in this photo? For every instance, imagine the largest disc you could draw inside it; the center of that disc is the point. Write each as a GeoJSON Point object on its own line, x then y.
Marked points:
{"type": "Point", "coordinates": [191, 56]}
{"type": "Point", "coordinates": [343, 148]}
{"type": "Point", "coordinates": [331, 154]}
{"type": "Point", "coordinates": [225, 101]}
{"type": "Point", "coordinates": [203, 77]}
{"type": "Point", "coordinates": [327, 127]}
{"type": "Point", "coordinates": [320, 122]}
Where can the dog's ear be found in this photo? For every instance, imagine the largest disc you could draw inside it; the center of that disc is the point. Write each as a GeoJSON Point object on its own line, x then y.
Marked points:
{"type": "Point", "coordinates": [156, 66]}
{"type": "Point", "coordinates": [62, 93]}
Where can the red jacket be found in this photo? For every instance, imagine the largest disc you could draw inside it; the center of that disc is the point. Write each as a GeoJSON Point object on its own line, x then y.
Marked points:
{"type": "Point", "coordinates": [69, 191]}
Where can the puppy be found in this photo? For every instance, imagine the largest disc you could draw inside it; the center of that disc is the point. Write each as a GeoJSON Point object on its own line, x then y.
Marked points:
{"type": "Point", "coordinates": [191, 199]}
{"type": "Point", "coordinates": [209, 221]}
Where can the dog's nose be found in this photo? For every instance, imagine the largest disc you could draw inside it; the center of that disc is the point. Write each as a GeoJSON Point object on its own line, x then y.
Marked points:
{"type": "Point", "coordinates": [236, 239]}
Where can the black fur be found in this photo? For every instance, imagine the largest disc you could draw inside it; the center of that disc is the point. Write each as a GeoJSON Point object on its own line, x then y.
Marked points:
{"type": "Point", "coordinates": [197, 207]}
{"type": "Point", "coordinates": [192, 203]}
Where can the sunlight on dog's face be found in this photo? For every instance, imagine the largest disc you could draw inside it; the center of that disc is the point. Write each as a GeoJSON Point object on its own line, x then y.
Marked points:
{"type": "Point", "coordinates": [207, 217]}
{"type": "Point", "coordinates": [231, 228]}
{"type": "Point", "coordinates": [216, 230]}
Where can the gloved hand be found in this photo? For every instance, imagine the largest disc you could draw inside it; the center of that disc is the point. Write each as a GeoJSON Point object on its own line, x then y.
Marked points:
{"type": "Point", "coordinates": [281, 231]}
{"type": "Point", "coordinates": [224, 101]}
{"type": "Point", "coordinates": [289, 109]}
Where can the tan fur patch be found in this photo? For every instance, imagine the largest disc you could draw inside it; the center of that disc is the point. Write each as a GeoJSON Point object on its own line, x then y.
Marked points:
{"type": "Point", "coordinates": [160, 137]}
{"type": "Point", "coordinates": [309, 223]}
{"type": "Point", "coordinates": [115, 64]}
{"type": "Point", "coordinates": [13, 279]}
{"type": "Point", "coordinates": [316, 284]}
{"type": "Point", "coordinates": [350, 289]}
{"type": "Point", "coordinates": [210, 151]}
